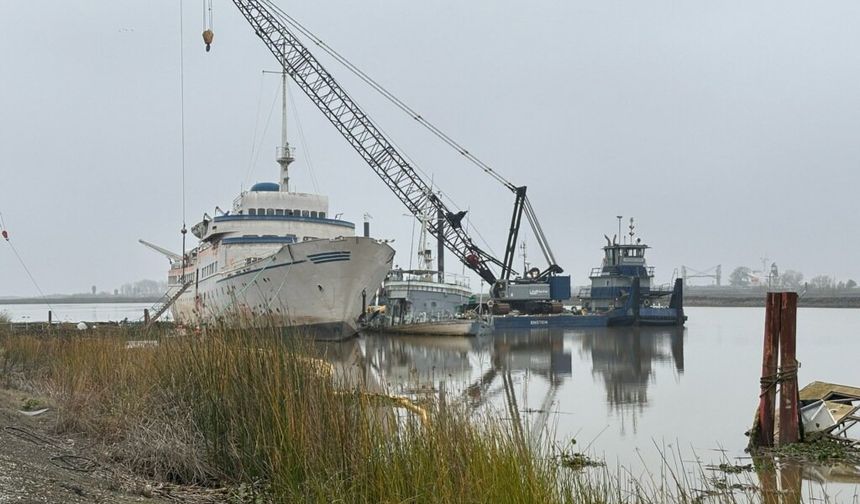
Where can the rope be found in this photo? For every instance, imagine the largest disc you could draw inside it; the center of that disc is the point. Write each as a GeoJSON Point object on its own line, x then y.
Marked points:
{"type": "Point", "coordinates": [783, 374]}
{"type": "Point", "coordinates": [255, 149]}
{"type": "Point", "coordinates": [23, 264]}
{"type": "Point", "coordinates": [75, 463]}
{"type": "Point", "coordinates": [306, 153]}
{"type": "Point", "coordinates": [29, 436]}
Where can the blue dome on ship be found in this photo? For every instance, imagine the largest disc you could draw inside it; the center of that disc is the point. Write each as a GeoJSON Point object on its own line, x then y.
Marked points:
{"type": "Point", "coordinates": [265, 187]}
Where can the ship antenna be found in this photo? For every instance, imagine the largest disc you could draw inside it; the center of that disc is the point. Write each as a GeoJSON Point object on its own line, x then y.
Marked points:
{"type": "Point", "coordinates": [285, 155]}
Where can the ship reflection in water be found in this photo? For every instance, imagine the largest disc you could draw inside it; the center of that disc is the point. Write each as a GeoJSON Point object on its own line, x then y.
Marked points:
{"type": "Point", "coordinates": [522, 366]}
{"type": "Point", "coordinates": [624, 392]}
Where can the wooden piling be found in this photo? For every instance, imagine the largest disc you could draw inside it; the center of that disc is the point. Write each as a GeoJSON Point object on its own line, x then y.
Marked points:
{"type": "Point", "coordinates": [769, 370]}
{"type": "Point", "coordinates": [789, 413]}
{"type": "Point", "coordinates": [146, 316]}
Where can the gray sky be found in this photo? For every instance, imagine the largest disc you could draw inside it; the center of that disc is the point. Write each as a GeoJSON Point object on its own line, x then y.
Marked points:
{"type": "Point", "coordinates": [728, 129]}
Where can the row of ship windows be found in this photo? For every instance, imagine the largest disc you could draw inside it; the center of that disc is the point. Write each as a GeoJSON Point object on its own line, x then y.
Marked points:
{"type": "Point", "coordinates": [209, 270]}
{"type": "Point", "coordinates": [313, 214]}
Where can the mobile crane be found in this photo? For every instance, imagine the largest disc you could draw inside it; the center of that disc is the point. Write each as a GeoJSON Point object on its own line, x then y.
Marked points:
{"type": "Point", "coordinates": [535, 291]}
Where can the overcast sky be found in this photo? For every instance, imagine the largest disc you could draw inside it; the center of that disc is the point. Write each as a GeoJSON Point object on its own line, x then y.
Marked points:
{"type": "Point", "coordinates": [728, 129]}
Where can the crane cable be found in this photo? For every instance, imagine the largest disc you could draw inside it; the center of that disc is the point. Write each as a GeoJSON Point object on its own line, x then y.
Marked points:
{"type": "Point", "coordinates": [184, 229]}
{"type": "Point", "coordinates": [208, 34]}
{"type": "Point", "coordinates": [5, 234]}
{"type": "Point", "coordinates": [286, 18]}
{"type": "Point", "coordinates": [390, 96]}
{"type": "Point", "coordinates": [531, 216]}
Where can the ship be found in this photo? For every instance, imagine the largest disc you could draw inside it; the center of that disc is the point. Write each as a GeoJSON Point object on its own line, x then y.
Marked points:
{"type": "Point", "coordinates": [622, 293]}
{"type": "Point", "coordinates": [278, 258]}
{"type": "Point", "coordinates": [426, 300]}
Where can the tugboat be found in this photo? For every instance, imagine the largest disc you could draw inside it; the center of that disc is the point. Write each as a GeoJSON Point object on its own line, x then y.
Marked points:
{"type": "Point", "coordinates": [622, 287]}
{"type": "Point", "coordinates": [622, 293]}
{"type": "Point", "coordinates": [278, 258]}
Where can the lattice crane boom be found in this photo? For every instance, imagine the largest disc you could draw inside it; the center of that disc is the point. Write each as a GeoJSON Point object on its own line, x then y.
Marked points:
{"type": "Point", "coordinates": [355, 126]}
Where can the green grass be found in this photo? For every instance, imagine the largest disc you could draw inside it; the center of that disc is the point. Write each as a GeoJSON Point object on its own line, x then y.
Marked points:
{"type": "Point", "coordinates": [260, 412]}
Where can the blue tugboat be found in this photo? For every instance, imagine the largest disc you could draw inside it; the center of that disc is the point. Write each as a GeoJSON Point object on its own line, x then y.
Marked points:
{"type": "Point", "coordinates": [622, 293]}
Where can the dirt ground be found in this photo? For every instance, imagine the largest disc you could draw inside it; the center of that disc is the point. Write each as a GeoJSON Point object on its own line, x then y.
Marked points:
{"type": "Point", "coordinates": [39, 466]}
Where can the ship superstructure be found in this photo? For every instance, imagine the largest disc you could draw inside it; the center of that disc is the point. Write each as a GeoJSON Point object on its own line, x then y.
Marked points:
{"type": "Point", "coordinates": [278, 257]}
{"type": "Point", "coordinates": [425, 294]}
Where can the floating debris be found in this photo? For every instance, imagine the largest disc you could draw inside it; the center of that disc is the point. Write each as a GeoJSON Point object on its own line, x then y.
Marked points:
{"type": "Point", "coordinates": [831, 409]}
{"type": "Point", "coordinates": [33, 413]}
{"type": "Point", "coordinates": [578, 461]}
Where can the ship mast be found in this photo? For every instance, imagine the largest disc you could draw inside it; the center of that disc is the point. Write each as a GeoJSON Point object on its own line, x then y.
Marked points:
{"type": "Point", "coordinates": [285, 154]}
{"type": "Point", "coordinates": [424, 253]}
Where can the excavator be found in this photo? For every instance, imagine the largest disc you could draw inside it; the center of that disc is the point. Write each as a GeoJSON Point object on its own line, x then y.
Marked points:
{"type": "Point", "coordinates": [535, 291]}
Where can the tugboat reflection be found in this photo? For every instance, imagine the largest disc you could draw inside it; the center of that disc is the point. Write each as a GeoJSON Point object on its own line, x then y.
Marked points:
{"type": "Point", "coordinates": [626, 359]}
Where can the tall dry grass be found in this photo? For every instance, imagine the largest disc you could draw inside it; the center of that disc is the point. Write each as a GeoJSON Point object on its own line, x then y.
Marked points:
{"type": "Point", "coordinates": [256, 408]}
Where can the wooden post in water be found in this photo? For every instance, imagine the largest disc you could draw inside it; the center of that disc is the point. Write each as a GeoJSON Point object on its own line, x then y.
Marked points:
{"type": "Point", "coordinates": [49, 318]}
{"type": "Point", "coordinates": [146, 316]}
{"type": "Point", "coordinates": [789, 414]}
{"type": "Point", "coordinates": [767, 399]}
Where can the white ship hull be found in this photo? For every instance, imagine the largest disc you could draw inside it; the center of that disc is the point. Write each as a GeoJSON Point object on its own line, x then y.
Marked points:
{"type": "Point", "coordinates": [316, 285]}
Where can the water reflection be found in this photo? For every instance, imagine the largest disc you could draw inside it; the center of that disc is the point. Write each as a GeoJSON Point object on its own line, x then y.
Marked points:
{"type": "Point", "coordinates": [625, 358]}
{"type": "Point", "coordinates": [624, 378]}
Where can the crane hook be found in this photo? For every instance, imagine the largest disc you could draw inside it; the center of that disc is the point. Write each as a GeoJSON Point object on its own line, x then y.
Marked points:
{"type": "Point", "coordinates": [208, 35]}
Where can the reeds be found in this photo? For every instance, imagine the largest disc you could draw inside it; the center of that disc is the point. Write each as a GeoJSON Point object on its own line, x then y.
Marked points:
{"type": "Point", "coordinates": [257, 409]}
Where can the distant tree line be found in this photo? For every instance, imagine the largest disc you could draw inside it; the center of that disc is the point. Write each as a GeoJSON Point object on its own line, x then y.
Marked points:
{"type": "Point", "coordinates": [743, 276]}
{"type": "Point", "coordinates": [142, 288]}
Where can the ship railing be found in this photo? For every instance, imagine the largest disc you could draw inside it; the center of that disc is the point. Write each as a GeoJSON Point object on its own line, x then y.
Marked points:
{"type": "Point", "coordinates": [596, 272]}
{"type": "Point", "coordinates": [454, 278]}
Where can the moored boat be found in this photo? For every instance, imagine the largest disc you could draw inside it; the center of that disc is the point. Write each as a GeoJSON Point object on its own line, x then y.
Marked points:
{"type": "Point", "coordinates": [277, 257]}
{"type": "Point", "coordinates": [425, 301]}
{"type": "Point", "coordinates": [622, 293]}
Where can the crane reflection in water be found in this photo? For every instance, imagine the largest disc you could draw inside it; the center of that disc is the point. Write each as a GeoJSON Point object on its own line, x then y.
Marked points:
{"type": "Point", "coordinates": [500, 369]}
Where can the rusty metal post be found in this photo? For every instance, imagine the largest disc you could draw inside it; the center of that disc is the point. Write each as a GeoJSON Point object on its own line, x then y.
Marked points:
{"type": "Point", "coordinates": [770, 355]}
{"type": "Point", "coordinates": [789, 413]}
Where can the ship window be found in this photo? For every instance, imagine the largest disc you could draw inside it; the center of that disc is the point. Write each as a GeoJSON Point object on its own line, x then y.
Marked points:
{"type": "Point", "coordinates": [270, 211]}
{"type": "Point", "coordinates": [261, 211]}
{"type": "Point", "coordinates": [279, 211]}
{"type": "Point", "coordinates": [314, 214]}
{"type": "Point", "coordinates": [297, 212]}
{"type": "Point", "coordinates": [322, 215]}
{"type": "Point", "coordinates": [305, 213]}
{"type": "Point", "coordinates": [252, 211]}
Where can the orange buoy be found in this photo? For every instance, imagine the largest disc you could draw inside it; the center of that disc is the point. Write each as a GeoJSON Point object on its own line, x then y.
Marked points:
{"type": "Point", "coordinates": [207, 38]}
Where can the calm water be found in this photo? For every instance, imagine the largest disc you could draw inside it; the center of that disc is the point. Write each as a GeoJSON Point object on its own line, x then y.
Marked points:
{"type": "Point", "coordinates": [77, 312]}
{"type": "Point", "coordinates": [623, 391]}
